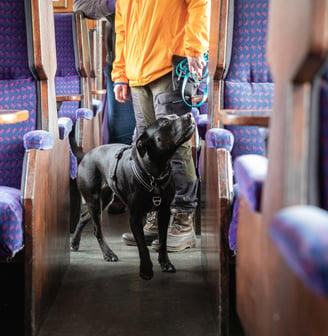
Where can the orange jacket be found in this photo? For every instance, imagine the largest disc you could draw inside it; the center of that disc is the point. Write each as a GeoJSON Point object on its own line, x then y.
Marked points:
{"type": "Point", "coordinates": [149, 32]}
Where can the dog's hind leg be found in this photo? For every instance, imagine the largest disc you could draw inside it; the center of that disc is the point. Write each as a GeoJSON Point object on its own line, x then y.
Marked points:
{"type": "Point", "coordinates": [85, 218]}
{"type": "Point", "coordinates": [91, 190]}
{"type": "Point", "coordinates": [163, 258]}
{"type": "Point", "coordinates": [146, 266]}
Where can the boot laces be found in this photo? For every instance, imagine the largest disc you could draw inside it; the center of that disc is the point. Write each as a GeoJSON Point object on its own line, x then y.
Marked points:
{"type": "Point", "coordinates": [178, 223]}
{"type": "Point", "coordinates": [150, 221]}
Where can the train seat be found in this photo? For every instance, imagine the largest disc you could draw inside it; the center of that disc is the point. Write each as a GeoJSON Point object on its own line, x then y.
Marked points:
{"type": "Point", "coordinates": [17, 91]}
{"type": "Point", "coordinates": [73, 79]}
{"type": "Point", "coordinates": [301, 236]}
{"type": "Point", "coordinates": [74, 94]}
{"type": "Point", "coordinates": [34, 162]}
{"type": "Point", "coordinates": [67, 78]}
{"type": "Point", "coordinates": [281, 246]}
{"type": "Point", "coordinates": [241, 103]}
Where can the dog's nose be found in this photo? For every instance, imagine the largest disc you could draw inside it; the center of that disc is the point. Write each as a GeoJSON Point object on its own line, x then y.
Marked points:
{"type": "Point", "coordinates": [189, 115]}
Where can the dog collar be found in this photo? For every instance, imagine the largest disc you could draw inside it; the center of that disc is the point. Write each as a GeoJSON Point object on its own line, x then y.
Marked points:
{"type": "Point", "coordinates": [153, 184]}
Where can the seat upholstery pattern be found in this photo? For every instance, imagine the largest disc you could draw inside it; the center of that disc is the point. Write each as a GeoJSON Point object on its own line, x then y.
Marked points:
{"type": "Point", "coordinates": [248, 83]}
{"type": "Point", "coordinates": [15, 94]}
{"type": "Point", "coordinates": [11, 217]}
{"type": "Point", "coordinates": [301, 236]}
{"type": "Point", "coordinates": [17, 91]}
{"type": "Point", "coordinates": [67, 79]}
{"type": "Point", "coordinates": [219, 138]}
{"type": "Point", "coordinates": [251, 171]}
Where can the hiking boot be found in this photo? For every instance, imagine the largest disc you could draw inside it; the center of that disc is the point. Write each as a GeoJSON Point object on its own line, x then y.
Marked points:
{"type": "Point", "coordinates": [150, 230]}
{"type": "Point", "coordinates": [181, 234]}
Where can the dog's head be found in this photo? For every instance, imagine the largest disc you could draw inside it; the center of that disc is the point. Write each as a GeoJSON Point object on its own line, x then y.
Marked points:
{"type": "Point", "coordinates": [163, 137]}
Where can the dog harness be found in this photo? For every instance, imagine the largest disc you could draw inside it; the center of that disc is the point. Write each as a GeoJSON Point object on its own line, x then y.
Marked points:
{"type": "Point", "coordinates": [154, 185]}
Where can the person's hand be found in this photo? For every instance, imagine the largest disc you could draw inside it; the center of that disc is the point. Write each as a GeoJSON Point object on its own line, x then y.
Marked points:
{"type": "Point", "coordinates": [111, 5]}
{"type": "Point", "coordinates": [122, 92]}
{"type": "Point", "coordinates": [196, 64]}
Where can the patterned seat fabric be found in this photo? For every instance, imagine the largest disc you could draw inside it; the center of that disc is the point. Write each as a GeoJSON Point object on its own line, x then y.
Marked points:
{"type": "Point", "coordinates": [17, 91]}
{"type": "Point", "coordinates": [248, 83]}
{"type": "Point", "coordinates": [67, 79]}
{"type": "Point", "coordinates": [301, 236]}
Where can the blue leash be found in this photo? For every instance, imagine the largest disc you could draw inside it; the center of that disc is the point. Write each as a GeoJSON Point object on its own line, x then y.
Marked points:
{"type": "Point", "coordinates": [182, 70]}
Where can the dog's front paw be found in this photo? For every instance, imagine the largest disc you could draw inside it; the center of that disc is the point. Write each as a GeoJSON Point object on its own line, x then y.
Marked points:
{"type": "Point", "coordinates": [110, 256]}
{"type": "Point", "coordinates": [165, 263]}
{"type": "Point", "coordinates": [75, 244]}
{"type": "Point", "coordinates": [146, 271]}
{"type": "Point", "coordinates": [168, 267]}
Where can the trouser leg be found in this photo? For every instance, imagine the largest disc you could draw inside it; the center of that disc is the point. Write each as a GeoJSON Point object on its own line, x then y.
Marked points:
{"type": "Point", "coordinates": [183, 167]}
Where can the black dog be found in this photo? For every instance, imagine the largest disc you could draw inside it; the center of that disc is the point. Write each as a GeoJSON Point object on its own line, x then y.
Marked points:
{"type": "Point", "coordinates": [140, 176]}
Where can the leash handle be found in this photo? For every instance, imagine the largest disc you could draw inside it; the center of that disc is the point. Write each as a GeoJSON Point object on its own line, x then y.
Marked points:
{"type": "Point", "coordinates": [182, 70]}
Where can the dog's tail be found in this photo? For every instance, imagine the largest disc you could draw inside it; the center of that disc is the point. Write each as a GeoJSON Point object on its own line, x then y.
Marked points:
{"type": "Point", "coordinates": [77, 151]}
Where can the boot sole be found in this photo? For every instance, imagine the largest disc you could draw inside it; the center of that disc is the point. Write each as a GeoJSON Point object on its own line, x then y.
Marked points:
{"type": "Point", "coordinates": [177, 248]}
{"type": "Point", "coordinates": [133, 242]}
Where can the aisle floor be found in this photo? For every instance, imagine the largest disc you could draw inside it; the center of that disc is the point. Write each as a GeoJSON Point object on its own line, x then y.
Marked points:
{"type": "Point", "coordinates": [99, 298]}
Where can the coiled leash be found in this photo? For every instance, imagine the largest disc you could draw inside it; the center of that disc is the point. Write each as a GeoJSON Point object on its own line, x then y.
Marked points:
{"type": "Point", "coordinates": [182, 71]}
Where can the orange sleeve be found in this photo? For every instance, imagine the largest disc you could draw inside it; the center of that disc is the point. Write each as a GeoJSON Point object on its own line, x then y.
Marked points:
{"type": "Point", "coordinates": [197, 28]}
{"type": "Point", "coordinates": [118, 72]}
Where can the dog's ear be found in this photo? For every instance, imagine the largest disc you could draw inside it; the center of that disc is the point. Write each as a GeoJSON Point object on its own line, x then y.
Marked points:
{"type": "Point", "coordinates": [141, 144]}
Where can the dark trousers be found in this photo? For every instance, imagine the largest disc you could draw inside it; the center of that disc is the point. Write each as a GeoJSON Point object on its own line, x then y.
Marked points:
{"type": "Point", "coordinates": [147, 111]}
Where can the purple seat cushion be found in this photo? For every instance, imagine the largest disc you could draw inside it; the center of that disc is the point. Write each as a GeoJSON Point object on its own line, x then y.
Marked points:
{"type": "Point", "coordinates": [250, 174]}
{"type": "Point", "coordinates": [301, 236]}
{"type": "Point", "coordinates": [39, 139]}
{"type": "Point", "coordinates": [219, 138]}
{"type": "Point", "coordinates": [11, 217]}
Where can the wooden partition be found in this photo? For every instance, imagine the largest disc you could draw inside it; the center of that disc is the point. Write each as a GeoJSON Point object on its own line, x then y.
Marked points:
{"type": "Point", "coordinates": [89, 132]}
{"type": "Point", "coordinates": [271, 300]}
{"type": "Point", "coordinates": [47, 228]}
{"type": "Point", "coordinates": [215, 193]}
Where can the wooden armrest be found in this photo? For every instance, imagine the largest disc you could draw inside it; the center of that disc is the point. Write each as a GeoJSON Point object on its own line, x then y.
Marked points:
{"type": "Point", "coordinates": [69, 98]}
{"type": "Point", "coordinates": [198, 99]}
{"type": "Point", "coordinates": [13, 116]}
{"type": "Point", "coordinates": [245, 117]}
{"type": "Point", "coordinates": [99, 92]}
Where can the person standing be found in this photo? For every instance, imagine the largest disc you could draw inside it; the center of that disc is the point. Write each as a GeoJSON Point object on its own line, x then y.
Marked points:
{"type": "Point", "coordinates": [148, 34]}
{"type": "Point", "coordinates": [120, 117]}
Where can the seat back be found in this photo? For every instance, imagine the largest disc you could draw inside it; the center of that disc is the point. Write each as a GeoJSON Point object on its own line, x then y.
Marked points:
{"type": "Point", "coordinates": [17, 91]}
{"type": "Point", "coordinates": [73, 77]}
{"type": "Point", "coordinates": [67, 78]}
{"type": "Point", "coordinates": [248, 82]}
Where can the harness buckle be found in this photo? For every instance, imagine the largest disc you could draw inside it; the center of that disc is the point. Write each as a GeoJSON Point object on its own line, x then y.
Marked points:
{"type": "Point", "coordinates": [157, 200]}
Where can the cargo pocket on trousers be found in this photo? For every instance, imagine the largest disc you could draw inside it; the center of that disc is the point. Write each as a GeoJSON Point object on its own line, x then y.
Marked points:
{"type": "Point", "coordinates": [170, 102]}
